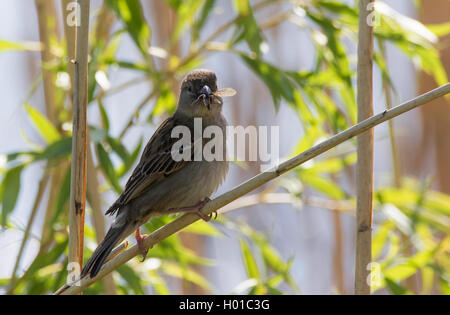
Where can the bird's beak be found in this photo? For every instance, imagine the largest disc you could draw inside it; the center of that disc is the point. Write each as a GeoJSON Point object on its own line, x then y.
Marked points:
{"type": "Point", "coordinates": [206, 91]}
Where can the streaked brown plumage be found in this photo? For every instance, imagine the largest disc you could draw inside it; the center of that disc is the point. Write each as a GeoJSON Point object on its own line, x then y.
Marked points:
{"type": "Point", "coordinates": [159, 184]}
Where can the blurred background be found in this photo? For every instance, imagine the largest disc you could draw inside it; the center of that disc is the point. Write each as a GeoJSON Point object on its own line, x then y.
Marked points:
{"type": "Point", "coordinates": [293, 64]}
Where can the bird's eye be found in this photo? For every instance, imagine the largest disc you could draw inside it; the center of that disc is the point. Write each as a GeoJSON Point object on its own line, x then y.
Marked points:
{"type": "Point", "coordinates": [189, 88]}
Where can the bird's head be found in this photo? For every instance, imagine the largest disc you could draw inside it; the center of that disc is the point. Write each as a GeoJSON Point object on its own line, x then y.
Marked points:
{"type": "Point", "coordinates": [198, 96]}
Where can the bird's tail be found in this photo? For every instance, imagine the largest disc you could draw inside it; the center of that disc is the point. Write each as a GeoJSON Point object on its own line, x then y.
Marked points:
{"type": "Point", "coordinates": [115, 235]}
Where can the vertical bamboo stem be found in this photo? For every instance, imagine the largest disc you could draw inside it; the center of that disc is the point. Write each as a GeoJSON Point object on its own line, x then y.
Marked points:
{"type": "Point", "coordinates": [338, 267]}
{"type": "Point", "coordinates": [364, 167]}
{"type": "Point", "coordinates": [69, 32]}
{"type": "Point", "coordinates": [79, 138]}
{"type": "Point", "coordinates": [102, 30]}
{"type": "Point", "coordinates": [47, 29]}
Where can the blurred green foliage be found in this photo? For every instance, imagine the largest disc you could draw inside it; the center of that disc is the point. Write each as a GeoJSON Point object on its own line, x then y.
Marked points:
{"type": "Point", "coordinates": [412, 222]}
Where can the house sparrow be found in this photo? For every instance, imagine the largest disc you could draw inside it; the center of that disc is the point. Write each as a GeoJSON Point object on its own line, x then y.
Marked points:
{"type": "Point", "coordinates": [161, 185]}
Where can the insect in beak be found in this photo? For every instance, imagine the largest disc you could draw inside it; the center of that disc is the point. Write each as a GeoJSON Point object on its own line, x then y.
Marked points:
{"type": "Point", "coordinates": [205, 92]}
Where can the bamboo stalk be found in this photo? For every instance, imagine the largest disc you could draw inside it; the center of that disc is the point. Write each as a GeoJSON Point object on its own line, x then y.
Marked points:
{"type": "Point", "coordinates": [364, 166]}
{"type": "Point", "coordinates": [337, 263]}
{"type": "Point", "coordinates": [60, 171]}
{"type": "Point", "coordinates": [47, 30]}
{"type": "Point", "coordinates": [79, 138]}
{"type": "Point", "coordinates": [69, 32]}
{"type": "Point", "coordinates": [104, 24]}
{"type": "Point", "coordinates": [255, 182]}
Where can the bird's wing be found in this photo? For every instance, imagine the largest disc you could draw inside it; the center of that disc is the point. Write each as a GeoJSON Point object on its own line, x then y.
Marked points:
{"type": "Point", "coordinates": [156, 162]}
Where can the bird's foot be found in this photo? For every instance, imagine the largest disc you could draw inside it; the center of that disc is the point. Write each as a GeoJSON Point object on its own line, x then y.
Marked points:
{"type": "Point", "coordinates": [140, 243]}
{"type": "Point", "coordinates": [196, 209]}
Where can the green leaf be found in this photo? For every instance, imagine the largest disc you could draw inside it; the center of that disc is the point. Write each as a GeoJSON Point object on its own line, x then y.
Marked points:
{"type": "Point", "coordinates": [133, 157]}
{"type": "Point", "coordinates": [440, 30]}
{"type": "Point", "coordinates": [130, 12]}
{"type": "Point", "coordinates": [4, 282]}
{"type": "Point", "coordinates": [108, 53]}
{"type": "Point", "coordinates": [127, 65]}
{"type": "Point", "coordinates": [250, 262]}
{"type": "Point", "coordinates": [63, 198]}
{"type": "Point", "coordinates": [245, 286]}
{"type": "Point", "coordinates": [306, 116]}
{"type": "Point", "coordinates": [22, 46]}
{"type": "Point", "coordinates": [333, 165]}
{"type": "Point", "coordinates": [279, 84]}
{"type": "Point", "coordinates": [42, 124]}
{"type": "Point", "coordinates": [166, 102]}
{"type": "Point", "coordinates": [312, 134]}
{"type": "Point", "coordinates": [410, 267]}
{"type": "Point", "coordinates": [119, 149]}
{"type": "Point", "coordinates": [381, 238]}
{"type": "Point", "coordinates": [158, 283]}
{"type": "Point", "coordinates": [332, 52]}
{"type": "Point", "coordinates": [444, 285]}
{"type": "Point", "coordinates": [132, 279]}
{"type": "Point", "coordinates": [108, 168]}
{"type": "Point", "coordinates": [338, 8]}
{"type": "Point", "coordinates": [203, 17]}
{"type": "Point", "coordinates": [187, 274]}
{"type": "Point", "coordinates": [273, 259]}
{"type": "Point", "coordinates": [396, 288]}
{"type": "Point", "coordinates": [438, 202]}
{"type": "Point", "coordinates": [10, 191]}
{"type": "Point", "coordinates": [127, 158]}
{"type": "Point", "coordinates": [202, 228]}
{"type": "Point", "coordinates": [104, 115]}
{"type": "Point", "coordinates": [413, 38]}
{"type": "Point", "coordinates": [381, 63]}
{"type": "Point", "coordinates": [247, 27]}
{"type": "Point", "coordinates": [428, 277]}
{"type": "Point", "coordinates": [186, 11]}
{"type": "Point", "coordinates": [171, 249]}
{"type": "Point", "coordinates": [322, 184]}
{"type": "Point", "coordinates": [58, 149]}
{"type": "Point", "coordinates": [48, 258]}
{"type": "Point", "coordinates": [270, 255]}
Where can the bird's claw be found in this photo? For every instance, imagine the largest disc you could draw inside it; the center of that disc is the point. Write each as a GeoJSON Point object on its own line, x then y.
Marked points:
{"type": "Point", "coordinates": [140, 243]}
{"type": "Point", "coordinates": [143, 252]}
{"type": "Point", "coordinates": [196, 209]}
{"type": "Point", "coordinates": [207, 217]}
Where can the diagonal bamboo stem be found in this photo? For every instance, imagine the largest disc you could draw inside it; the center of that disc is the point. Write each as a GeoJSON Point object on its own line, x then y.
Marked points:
{"type": "Point", "coordinates": [256, 182]}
